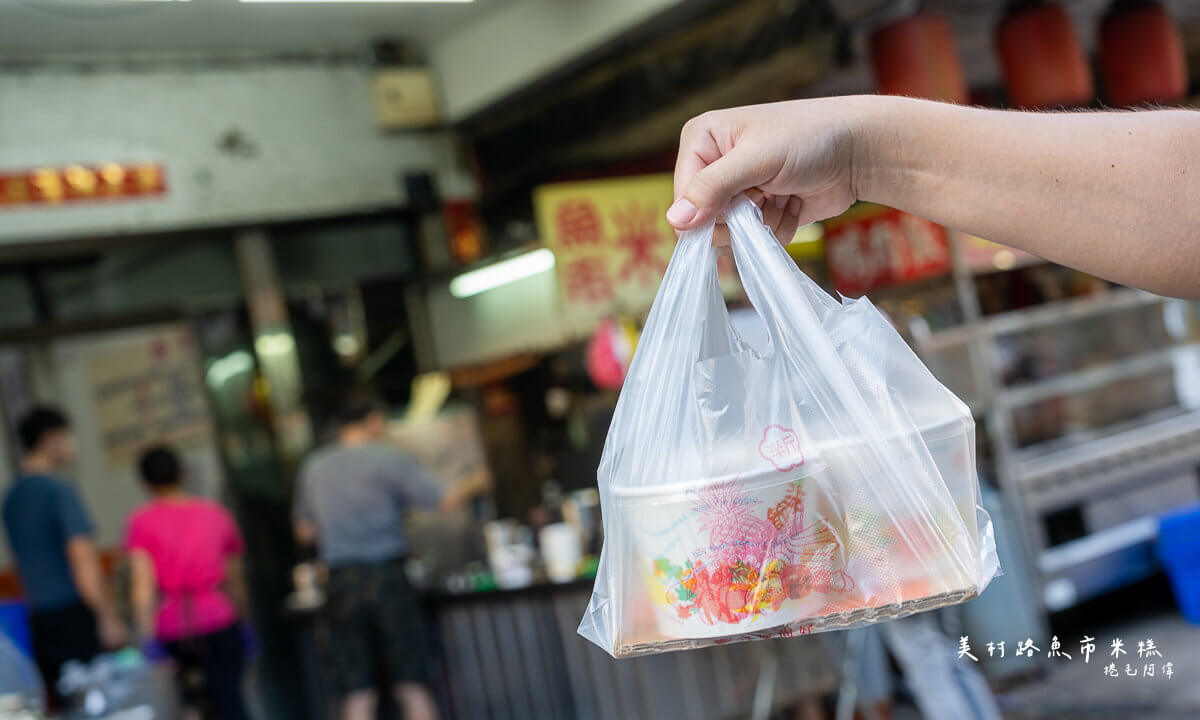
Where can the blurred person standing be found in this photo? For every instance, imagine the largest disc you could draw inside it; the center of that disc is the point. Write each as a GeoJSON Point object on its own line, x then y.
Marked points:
{"type": "Point", "coordinates": [71, 616]}
{"type": "Point", "coordinates": [185, 571]}
{"type": "Point", "coordinates": [351, 499]}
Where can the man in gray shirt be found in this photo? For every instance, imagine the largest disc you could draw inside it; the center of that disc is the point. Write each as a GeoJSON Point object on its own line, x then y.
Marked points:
{"type": "Point", "coordinates": [350, 501]}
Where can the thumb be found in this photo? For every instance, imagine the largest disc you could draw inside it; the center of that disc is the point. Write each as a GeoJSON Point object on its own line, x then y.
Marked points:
{"type": "Point", "coordinates": [711, 189]}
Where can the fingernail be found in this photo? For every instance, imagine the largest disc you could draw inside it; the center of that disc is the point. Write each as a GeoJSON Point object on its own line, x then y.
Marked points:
{"type": "Point", "coordinates": [682, 212]}
{"type": "Point", "coordinates": [781, 200]}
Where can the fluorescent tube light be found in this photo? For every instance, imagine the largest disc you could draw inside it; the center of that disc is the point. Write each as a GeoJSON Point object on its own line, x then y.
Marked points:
{"type": "Point", "coordinates": [232, 365]}
{"type": "Point", "coordinates": [275, 343]}
{"type": "Point", "coordinates": [501, 273]}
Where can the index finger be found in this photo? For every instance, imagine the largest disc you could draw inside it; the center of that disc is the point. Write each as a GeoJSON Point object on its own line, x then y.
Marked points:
{"type": "Point", "coordinates": [697, 148]}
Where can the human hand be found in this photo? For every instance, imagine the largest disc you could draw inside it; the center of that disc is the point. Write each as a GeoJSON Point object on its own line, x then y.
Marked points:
{"type": "Point", "coordinates": [154, 651]}
{"type": "Point", "coordinates": [794, 159]}
{"type": "Point", "coordinates": [470, 485]}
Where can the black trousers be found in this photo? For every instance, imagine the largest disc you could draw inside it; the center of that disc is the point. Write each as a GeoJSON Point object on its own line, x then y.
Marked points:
{"type": "Point", "coordinates": [376, 626]}
{"type": "Point", "coordinates": [220, 658]}
{"type": "Point", "coordinates": [60, 636]}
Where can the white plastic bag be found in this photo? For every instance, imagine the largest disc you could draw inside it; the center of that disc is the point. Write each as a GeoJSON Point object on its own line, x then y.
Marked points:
{"type": "Point", "coordinates": [825, 481]}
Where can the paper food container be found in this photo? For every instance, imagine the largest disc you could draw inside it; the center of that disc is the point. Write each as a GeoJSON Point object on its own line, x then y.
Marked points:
{"type": "Point", "coordinates": [797, 544]}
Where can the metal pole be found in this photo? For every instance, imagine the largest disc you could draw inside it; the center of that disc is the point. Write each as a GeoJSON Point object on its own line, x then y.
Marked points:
{"type": "Point", "coordinates": [764, 688]}
{"type": "Point", "coordinates": [848, 690]}
{"type": "Point", "coordinates": [274, 344]}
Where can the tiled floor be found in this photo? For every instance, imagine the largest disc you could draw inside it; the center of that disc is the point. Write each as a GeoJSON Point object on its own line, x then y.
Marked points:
{"type": "Point", "coordinates": [1071, 690]}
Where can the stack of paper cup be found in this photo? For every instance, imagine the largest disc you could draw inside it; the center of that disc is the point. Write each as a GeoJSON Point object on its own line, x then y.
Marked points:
{"type": "Point", "coordinates": [562, 550]}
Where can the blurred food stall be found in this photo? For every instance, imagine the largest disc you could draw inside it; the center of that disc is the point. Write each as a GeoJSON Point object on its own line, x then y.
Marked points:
{"type": "Point", "coordinates": [462, 207]}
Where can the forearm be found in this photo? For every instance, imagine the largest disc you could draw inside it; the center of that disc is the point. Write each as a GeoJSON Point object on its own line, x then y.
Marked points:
{"type": "Point", "coordinates": [468, 487]}
{"type": "Point", "coordinates": [90, 583]}
{"type": "Point", "coordinates": [1113, 194]}
{"type": "Point", "coordinates": [142, 592]}
{"type": "Point", "coordinates": [143, 615]}
{"type": "Point", "coordinates": [235, 585]}
{"type": "Point", "coordinates": [88, 576]}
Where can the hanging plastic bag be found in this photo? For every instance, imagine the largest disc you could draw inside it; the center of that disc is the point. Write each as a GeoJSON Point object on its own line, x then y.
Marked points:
{"type": "Point", "coordinates": [824, 481]}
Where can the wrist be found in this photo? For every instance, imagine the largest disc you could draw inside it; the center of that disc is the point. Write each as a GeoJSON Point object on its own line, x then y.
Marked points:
{"type": "Point", "coordinates": [875, 123]}
{"type": "Point", "coordinates": [896, 143]}
{"type": "Point", "coordinates": [892, 146]}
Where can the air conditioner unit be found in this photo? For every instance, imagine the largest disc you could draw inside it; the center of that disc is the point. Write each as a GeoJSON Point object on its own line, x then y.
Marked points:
{"type": "Point", "coordinates": [404, 98]}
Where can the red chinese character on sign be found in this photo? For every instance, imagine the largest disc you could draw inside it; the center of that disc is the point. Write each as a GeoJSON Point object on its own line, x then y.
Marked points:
{"type": "Point", "coordinates": [578, 223]}
{"type": "Point", "coordinates": [637, 232]}
{"type": "Point", "coordinates": [884, 247]}
{"type": "Point", "coordinates": [587, 280]}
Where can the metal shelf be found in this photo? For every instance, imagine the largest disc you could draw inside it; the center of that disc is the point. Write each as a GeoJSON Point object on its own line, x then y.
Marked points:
{"type": "Point", "coordinates": [1056, 313]}
{"type": "Point", "coordinates": [1100, 471]}
{"type": "Point", "coordinates": [942, 339]}
{"type": "Point", "coordinates": [1052, 313]}
{"type": "Point", "coordinates": [1102, 561]}
{"type": "Point", "coordinates": [1178, 427]}
{"type": "Point", "coordinates": [1089, 379]}
{"type": "Point", "coordinates": [1108, 462]}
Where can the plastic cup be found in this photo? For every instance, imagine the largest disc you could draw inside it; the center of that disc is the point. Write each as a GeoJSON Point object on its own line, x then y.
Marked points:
{"type": "Point", "coordinates": [562, 551]}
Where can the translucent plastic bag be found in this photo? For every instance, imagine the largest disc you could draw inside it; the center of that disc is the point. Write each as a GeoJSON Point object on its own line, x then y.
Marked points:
{"type": "Point", "coordinates": [20, 684]}
{"type": "Point", "coordinates": [822, 482]}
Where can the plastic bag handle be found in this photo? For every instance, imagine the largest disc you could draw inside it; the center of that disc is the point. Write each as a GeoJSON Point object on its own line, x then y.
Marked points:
{"type": "Point", "coordinates": [657, 385]}
{"type": "Point", "coordinates": [788, 301]}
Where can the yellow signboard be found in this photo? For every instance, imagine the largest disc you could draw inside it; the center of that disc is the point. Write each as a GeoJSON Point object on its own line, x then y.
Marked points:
{"type": "Point", "coordinates": [610, 238]}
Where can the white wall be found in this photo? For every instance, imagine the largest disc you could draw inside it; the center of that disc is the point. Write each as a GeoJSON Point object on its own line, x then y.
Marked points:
{"type": "Point", "coordinates": [515, 44]}
{"type": "Point", "coordinates": [313, 147]}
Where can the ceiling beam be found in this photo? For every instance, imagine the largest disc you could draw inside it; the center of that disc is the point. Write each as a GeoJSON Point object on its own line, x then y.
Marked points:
{"type": "Point", "coordinates": [518, 43]}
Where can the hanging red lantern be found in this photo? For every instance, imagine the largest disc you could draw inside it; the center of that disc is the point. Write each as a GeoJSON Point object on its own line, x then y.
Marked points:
{"type": "Point", "coordinates": [1141, 54]}
{"type": "Point", "coordinates": [916, 56]}
{"type": "Point", "coordinates": [1041, 59]}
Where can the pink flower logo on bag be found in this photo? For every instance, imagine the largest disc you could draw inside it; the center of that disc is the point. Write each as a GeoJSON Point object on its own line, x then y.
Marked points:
{"type": "Point", "coordinates": [781, 446]}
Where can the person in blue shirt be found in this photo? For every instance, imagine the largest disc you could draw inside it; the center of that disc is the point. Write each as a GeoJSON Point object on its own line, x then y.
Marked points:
{"type": "Point", "coordinates": [49, 531]}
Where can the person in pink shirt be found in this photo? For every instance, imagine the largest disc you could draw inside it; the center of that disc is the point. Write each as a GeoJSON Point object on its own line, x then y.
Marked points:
{"type": "Point", "coordinates": [185, 555]}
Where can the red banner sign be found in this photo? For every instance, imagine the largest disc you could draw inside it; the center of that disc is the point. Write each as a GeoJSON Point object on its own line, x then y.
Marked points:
{"type": "Point", "coordinates": [873, 246]}
{"type": "Point", "coordinates": [55, 185]}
